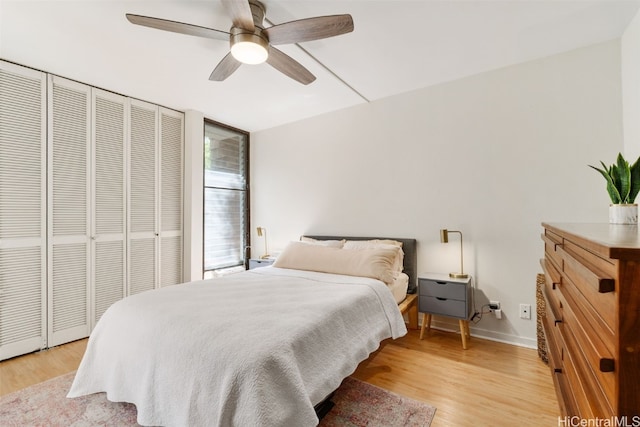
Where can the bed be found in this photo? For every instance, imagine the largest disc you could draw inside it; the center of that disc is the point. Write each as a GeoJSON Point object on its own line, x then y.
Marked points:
{"type": "Point", "coordinates": [263, 347]}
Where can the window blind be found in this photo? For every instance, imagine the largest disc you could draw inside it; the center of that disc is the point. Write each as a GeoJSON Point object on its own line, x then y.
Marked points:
{"type": "Point", "coordinates": [225, 196]}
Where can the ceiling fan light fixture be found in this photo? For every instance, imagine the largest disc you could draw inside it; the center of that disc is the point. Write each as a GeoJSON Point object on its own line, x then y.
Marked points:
{"type": "Point", "coordinates": [249, 48]}
{"type": "Point", "coordinates": [251, 43]}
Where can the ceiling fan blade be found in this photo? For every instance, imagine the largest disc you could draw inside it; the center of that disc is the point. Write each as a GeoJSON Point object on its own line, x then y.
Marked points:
{"type": "Point", "coordinates": [177, 27]}
{"type": "Point", "coordinates": [289, 66]}
{"type": "Point", "coordinates": [225, 68]}
{"type": "Point", "coordinates": [305, 30]}
{"type": "Point", "coordinates": [240, 13]}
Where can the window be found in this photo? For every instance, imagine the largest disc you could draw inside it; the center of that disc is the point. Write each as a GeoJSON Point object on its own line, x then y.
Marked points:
{"type": "Point", "coordinates": [226, 197]}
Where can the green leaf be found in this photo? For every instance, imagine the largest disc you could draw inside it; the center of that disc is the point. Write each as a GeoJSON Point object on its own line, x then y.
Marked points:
{"type": "Point", "coordinates": [613, 186]}
{"type": "Point", "coordinates": [614, 195]}
{"type": "Point", "coordinates": [635, 181]}
{"type": "Point", "coordinates": [622, 178]}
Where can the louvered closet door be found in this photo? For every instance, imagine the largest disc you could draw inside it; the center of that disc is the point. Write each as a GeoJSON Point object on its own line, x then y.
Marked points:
{"type": "Point", "coordinates": [108, 202]}
{"type": "Point", "coordinates": [143, 215]}
{"type": "Point", "coordinates": [171, 143]}
{"type": "Point", "coordinates": [22, 210]}
{"type": "Point", "coordinates": [69, 143]}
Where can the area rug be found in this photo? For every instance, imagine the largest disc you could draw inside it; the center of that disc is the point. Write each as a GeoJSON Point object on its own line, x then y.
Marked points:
{"type": "Point", "coordinates": [356, 404]}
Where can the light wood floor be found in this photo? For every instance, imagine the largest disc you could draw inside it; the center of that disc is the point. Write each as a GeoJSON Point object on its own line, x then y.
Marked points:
{"type": "Point", "coordinates": [489, 384]}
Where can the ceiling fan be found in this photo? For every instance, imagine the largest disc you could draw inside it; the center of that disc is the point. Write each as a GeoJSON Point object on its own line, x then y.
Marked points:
{"type": "Point", "coordinates": [252, 43]}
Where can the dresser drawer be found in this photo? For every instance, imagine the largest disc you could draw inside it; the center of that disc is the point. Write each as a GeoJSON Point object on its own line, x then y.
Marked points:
{"type": "Point", "coordinates": [443, 289]}
{"type": "Point", "coordinates": [555, 348]}
{"type": "Point", "coordinates": [563, 392]}
{"type": "Point", "coordinates": [607, 266]}
{"type": "Point", "coordinates": [553, 339]}
{"type": "Point", "coordinates": [592, 401]}
{"type": "Point", "coordinates": [551, 243]}
{"type": "Point", "coordinates": [552, 284]}
{"type": "Point", "coordinates": [589, 316]}
{"type": "Point", "coordinates": [597, 287]}
{"type": "Point", "coordinates": [445, 307]}
{"type": "Point", "coordinates": [592, 359]}
{"type": "Point", "coordinates": [576, 395]}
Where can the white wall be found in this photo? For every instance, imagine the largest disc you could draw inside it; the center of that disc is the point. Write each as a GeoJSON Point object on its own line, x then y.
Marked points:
{"type": "Point", "coordinates": [631, 88]}
{"type": "Point", "coordinates": [193, 200]}
{"type": "Point", "coordinates": [492, 155]}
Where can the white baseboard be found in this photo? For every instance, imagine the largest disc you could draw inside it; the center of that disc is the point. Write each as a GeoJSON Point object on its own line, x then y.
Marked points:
{"type": "Point", "coordinates": [487, 334]}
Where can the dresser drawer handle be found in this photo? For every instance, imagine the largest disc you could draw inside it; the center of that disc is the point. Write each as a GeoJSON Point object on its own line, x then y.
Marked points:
{"type": "Point", "coordinates": [601, 284]}
{"type": "Point", "coordinates": [441, 299]}
{"type": "Point", "coordinates": [606, 285]}
{"type": "Point", "coordinates": [557, 370]}
{"type": "Point", "coordinates": [607, 365]}
{"type": "Point", "coordinates": [555, 322]}
{"type": "Point", "coordinates": [551, 242]}
{"type": "Point", "coordinates": [442, 283]}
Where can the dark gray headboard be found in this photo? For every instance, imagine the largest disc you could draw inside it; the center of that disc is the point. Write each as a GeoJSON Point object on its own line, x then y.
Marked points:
{"type": "Point", "coordinates": [410, 255]}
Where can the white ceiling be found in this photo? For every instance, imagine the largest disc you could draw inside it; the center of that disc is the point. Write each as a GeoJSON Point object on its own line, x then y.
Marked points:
{"type": "Point", "coordinates": [397, 46]}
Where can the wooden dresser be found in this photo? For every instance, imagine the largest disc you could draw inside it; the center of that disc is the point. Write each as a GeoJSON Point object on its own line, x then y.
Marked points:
{"type": "Point", "coordinates": [592, 321]}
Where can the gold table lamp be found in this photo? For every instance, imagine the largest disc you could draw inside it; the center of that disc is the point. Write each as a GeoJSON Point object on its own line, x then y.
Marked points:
{"type": "Point", "coordinates": [263, 231]}
{"type": "Point", "coordinates": [444, 238]}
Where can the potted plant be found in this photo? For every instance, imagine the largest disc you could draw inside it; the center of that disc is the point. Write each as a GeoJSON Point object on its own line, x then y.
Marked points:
{"type": "Point", "coordinates": [623, 185]}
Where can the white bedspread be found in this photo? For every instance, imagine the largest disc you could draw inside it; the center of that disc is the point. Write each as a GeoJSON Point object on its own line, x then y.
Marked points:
{"type": "Point", "coordinates": [259, 348]}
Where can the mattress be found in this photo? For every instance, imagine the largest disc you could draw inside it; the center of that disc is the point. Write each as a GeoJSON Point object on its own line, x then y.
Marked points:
{"type": "Point", "coordinates": [260, 347]}
{"type": "Point", "coordinates": [399, 287]}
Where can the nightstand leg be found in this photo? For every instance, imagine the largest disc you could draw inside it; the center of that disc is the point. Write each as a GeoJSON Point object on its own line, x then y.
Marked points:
{"type": "Point", "coordinates": [464, 332]}
{"type": "Point", "coordinates": [426, 324]}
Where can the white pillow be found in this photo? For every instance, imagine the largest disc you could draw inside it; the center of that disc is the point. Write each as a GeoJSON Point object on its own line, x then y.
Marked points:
{"type": "Point", "coordinates": [373, 242]}
{"type": "Point", "coordinates": [376, 263]}
{"type": "Point", "coordinates": [398, 262]}
{"type": "Point", "coordinates": [331, 243]}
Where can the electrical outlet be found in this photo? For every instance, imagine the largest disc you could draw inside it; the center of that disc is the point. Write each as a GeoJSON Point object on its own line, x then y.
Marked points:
{"type": "Point", "coordinates": [494, 305]}
{"type": "Point", "coordinates": [525, 311]}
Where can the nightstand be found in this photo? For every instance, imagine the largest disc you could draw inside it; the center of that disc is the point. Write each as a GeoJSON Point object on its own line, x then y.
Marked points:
{"type": "Point", "coordinates": [257, 263]}
{"type": "Point", "coordinates": [442, 295]}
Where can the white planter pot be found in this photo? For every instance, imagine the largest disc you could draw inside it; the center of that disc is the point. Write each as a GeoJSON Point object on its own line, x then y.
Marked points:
{"type": "Point", "coordinates": [623, 214]}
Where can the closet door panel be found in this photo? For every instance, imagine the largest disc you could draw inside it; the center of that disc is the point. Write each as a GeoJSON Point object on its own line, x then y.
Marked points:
{"type": "Point", "coordinates": [109, 272]}
{"type": "Point", "coordinates": [21, 301]}
{"type": "Point", "coordinates": [22, 210]}
{"type": "Point", "coordinates": [171, 260]}
{"type": "Point", "coordinates": [69, 122]}
{"type": "Point", "coordinates": [109, 201]}
{"type": "Point", "coordinates": [143, 201]}
{"type": "Point", "coordinates": [142, 272]}
{"type": "Point", "coordinates": [171, 145]}
{"type": "Point", "coordinates": [68, 293]}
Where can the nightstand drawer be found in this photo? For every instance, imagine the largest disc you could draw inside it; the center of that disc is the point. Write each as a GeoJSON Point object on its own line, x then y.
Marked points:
{"type": "Point", "coordinates": [444, 307]}
{"type": "Point", "coordinates": [257, 263]}
{"type": "Point", "coordinates": [443, 289]}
